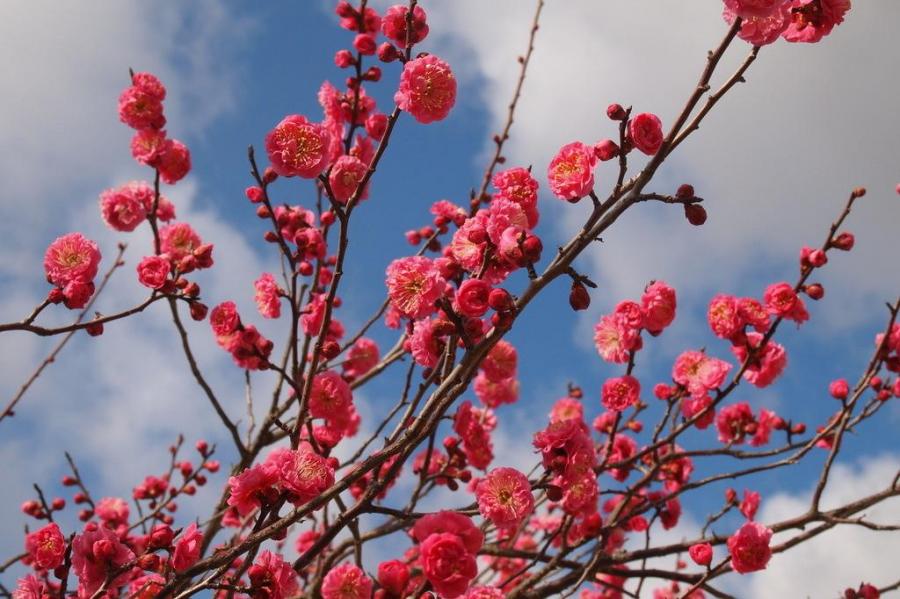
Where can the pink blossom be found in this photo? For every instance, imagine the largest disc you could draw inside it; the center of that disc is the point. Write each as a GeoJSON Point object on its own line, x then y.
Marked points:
{"type": "Point", "coordinates": [494, 393]}
{"type": "Point", "coordinates": [150, 85]}
{"type": "Point", "coordinates": [750, 504]}
{"type": "Point", "coordinates": [749, 548]}
{"type": "Point", "coordinates": [174, 161]}
{"type": "Point", "coordinates": [567, 408]}
{"type": "Point", "coordinates": [187, 548]}
{"type": "Point", "coordinates": [305, 473]}
{"type": "Point", "coordinates": [501, 361]}
{"type": "Point", "coordinates": [764, 425]}
{"type": "Point", "coordinates": [224, 319]}
{"type": "Point", "coordinates": [699, 373]}
{"type": "Point", "coordinates": [580, 491]}
{"type": "Point", "coordinates": [424, 345]}
{"type": "Point", "coordinates": [658, 307]}
{"type": "Point", "coordinates": [362, 356]}
{"type": "Point", "coordinates": [571, 172]}
{"type": "Point", "coordinates": [250, 487]}
{"type": "Point", "coordinates": [754, 313]}
{"type": "Point", "coordinates": [268, 296]}
{"type": "Point", "coordinates": [273, 576]}
{"type": "Point", "coordinates": [724, 316]}
{"type": "Point", "coordinates": [475, 434]}
{"type": "Point", "coordinates": [448, 211]}
{"type": "Point", "coordinates": [615, 338]}
{"type": "Point", "coordinates": [313, 315]}
{"type": "Point", "coordinates": [31, 587]}
{"type": "Point", "coordinates": [121, 208]}
{"type": "Point", "coordinates": [449, 522]}
{"type": "Point", "coordinates": [414, 285]}
{"type": "Point", "coordinates": [754, 8]}
{"type": "Point", "coordinates": [767, 365]}
{"type": "Point", "coordinates": [620, 393]}
{"type": "Point", "coordinates": [97, 552]}
{"type": "Point", "coordinates": [46, 547]}
{"type": "Point", "coordinates": [427, 89]}
{"type": "Point", "coordinates": [472, 297]}
{"type": "Point", "coordinates": [393, 25]}
{"type": "Point", "coordinates": [504, 497]}
{"type": "Point", "coordinates": [153, 271]}
{"type": "Point", "coordinates": [148, 146]}
{"type": "Point", "coordinates": [517, 185]}
{"type": "Point", "coordinates": [71, 258]}
{"type": "Point", "coordinates": [113, 511]}
{"type": "Point", "coordinates": [330, 397]}
{"type": "Point", "coordinates": [346, 175]}
{"type": "Point", "coordinates": [781, 300]}
{"type": "Point", "coordinates": [501, 215]}
{"type": "Point", "coordinates": [297, 147]}
{"type": "Point", "coordinates": [447, 564]}
{"type": "Point", "coordinates": [645, 132]}
{"type": "Point", "coordinates": [179, 240]}
{"type": "Point", "coordinates": [811, 20]}
{"type": "Point", "coordinates": [701, 553]}
{"type": "Point", "coordinates": [393, 576]}
{"type": "Point", "coordinates": [698, 405]}
{"type": "Point", "coordinates": [139, 109]}
{"type": "Point", "coordinates": [764, 29]}
{"type": "Point", "coordinates": [733, 422]}
{"type": "Point", "coordinates": [346, 581]}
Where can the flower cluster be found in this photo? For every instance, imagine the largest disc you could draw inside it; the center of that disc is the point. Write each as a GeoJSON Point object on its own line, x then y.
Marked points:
{"type": "Point", "coordinates": [764, 21]}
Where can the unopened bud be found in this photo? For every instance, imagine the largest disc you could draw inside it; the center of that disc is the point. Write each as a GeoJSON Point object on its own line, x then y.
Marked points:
{"type": "Point", "coordinates": [579, 298]}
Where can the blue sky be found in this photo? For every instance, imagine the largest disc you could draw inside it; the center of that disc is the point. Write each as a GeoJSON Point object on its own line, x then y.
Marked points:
{"type": "Point", "coordinates": [775, 163]}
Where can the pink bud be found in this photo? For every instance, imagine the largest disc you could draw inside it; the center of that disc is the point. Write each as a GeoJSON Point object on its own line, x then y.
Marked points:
{"type": "Point", "coordinates": [344, 59]}
{"type": "Point", "coordinates": [615, 112]}
{"type": "Point", "coordinates": [606, 149]}
{"type": "Point", "coordinates": [701, 553]}
{"type": "Point", "coordinates": [839, 389]}
{"type": "Point", "coordinates": [387, 52]}
{"type": "Point", "coordinates": [364, 44]}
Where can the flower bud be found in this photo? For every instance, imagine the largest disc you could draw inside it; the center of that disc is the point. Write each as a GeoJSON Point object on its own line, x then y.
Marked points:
{"type": "Point", "coordinates": [606, 149]}
{"type": "Point", "coordinates": [799, 428]}
{"type": "Point", "coordinates": [839, 389]}
{"type": "Point", "coordinates": [254, 194]}
{"type": "Point", "coordinates": [579, 298]}
{"type": "Point", "coordinates": [305, 268]}
{"type": "Point", "coordinates": [344, 59]}
{"type": "Point", "coordinates": [69, 481]}
{"type": "Point", "coordinates": [685, 191]}
{"type": "Point", "coordinates": [262, 211]}
{"type": "Point", "coordinates": [500, 300]}
{"type": "Point", "coordinates": [269, 175]}
{"type": "Point", "coordinates": [817, 258]}
{"type": "Point", "coordinates": [373, 74]}
{"type": "Point", "coordinates": [695, 214]}
{"type": "Point", "coordinates": [149, 562]}
{"type": "Point", "coordinates": [364, 44]}
{"type": "Point", "coordinates": [844, 241]}
{"type": "Point", "coordinates": [330, 349]}
{"type": "Point", "coordinates": [387, 52]}
{"type": "Point", "coordinates": [198, 311]}
{"type": "Point", "coordinates": [554, 493]}
{"type": "Point", "coordinates": [815, 291]}
{"type": "Point", "coordinates": [58, 503]}
{"type": "Point", "coordinates": [160, 537]}
{"type": "Point", "coordinates": [94, 329]}
{"type": "Point", "coordinates": [615, 112]}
